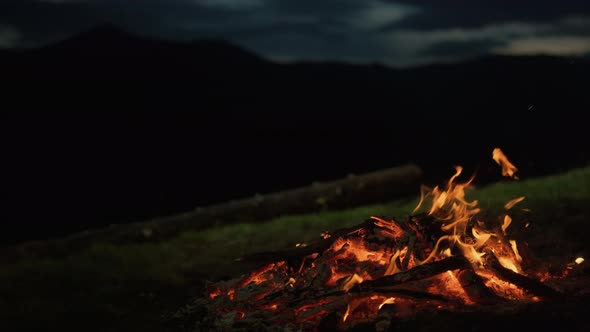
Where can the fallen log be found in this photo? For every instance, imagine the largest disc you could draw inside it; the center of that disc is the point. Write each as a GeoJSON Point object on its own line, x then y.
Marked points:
{"type": "Point", "coordinates": [354, 190]}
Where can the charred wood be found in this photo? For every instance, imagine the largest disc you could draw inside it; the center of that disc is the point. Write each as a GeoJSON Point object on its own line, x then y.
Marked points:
{"type": "Point", "coordinates": [416, 273]}
{"type": "Point", "coordinates": [530, 285]}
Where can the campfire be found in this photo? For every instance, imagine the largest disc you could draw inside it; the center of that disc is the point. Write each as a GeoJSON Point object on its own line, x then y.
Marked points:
{"type": "Point", "coordinates": [443, 256]}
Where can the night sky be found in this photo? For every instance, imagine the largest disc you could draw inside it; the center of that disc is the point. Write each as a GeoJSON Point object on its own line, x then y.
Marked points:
{"type": "Point", "coordinates": [399, 33]}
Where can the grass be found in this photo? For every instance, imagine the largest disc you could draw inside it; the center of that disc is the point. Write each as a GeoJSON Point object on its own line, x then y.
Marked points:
{"type": "Point", "coordinates": [551, 196]}
{"type": "Point", "coordinates": [116, 287]}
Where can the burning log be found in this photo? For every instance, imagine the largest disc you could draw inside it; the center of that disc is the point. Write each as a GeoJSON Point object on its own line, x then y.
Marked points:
{"type": "Point", "coordinates": [530, 285]}
{"type": "Point", "coordinates": [297, 254]}
{"type": "Point", "coordinates": [417, 273]}
{"type": "Point", "coordinates": [476, 289]}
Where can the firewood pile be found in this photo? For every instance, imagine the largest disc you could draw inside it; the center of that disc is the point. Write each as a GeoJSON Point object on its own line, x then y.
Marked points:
{"type": "Point", "coordinates": [385, 269]}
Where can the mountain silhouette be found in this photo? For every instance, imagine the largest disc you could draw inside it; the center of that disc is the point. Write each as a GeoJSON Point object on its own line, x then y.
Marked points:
{"type": "Point", "coordinates": [103, 38]}
{"type": "Point", "coordinates": [108, 40]}
{"type": "Point", "coordinates": [110, 126]}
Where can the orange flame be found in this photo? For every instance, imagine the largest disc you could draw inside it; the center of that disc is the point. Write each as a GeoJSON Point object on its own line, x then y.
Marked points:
{"type": "Point", "coordinates": [506, 223]}
{"type": "Point", "coordinates": [351, 281]}
{"type": "Point", "coordinates": [508, 169]}
{"type": "Point", "coordinates": [513, 202]}
{"type": "Point", "coordinates": [457, 214]}
{"type": "Point", "coordinates": [390, 300]}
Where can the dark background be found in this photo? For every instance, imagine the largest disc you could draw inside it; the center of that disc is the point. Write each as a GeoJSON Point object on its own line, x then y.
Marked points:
{"type": "Point", "coordinates": [108, 127]}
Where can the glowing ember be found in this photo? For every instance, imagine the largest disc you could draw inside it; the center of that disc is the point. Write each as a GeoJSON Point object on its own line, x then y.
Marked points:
{"type": "Point", "coordinates": [445, 257]}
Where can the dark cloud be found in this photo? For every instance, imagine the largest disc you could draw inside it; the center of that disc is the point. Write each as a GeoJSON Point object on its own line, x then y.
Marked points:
{"type": "Point", "coordinates": [324, 8]}
{"type": "Point", "coordinates": [436, 14]}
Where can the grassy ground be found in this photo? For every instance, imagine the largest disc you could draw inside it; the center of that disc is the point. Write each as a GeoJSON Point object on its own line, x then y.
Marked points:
{"type": "Point", "coordinates": [108, 287]}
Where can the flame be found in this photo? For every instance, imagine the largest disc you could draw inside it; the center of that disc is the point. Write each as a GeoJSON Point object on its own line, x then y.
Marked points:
{"type": "Point", "coordinates": [390, 300]}
{"type": "Point", "coordinates": [351, 281]}
{"type": "Point", "coordinates": [515, 250]}
{"type": "Point", "coordinates": [508, 169]}
{"type": "Point", "coordinates": [354, 250]}
{"type": "Point", "coordinates": [450, 206]}
{"type": "Point", "coordinates": [394, 262]}
{"type": "Point", "coordinates": [579, 260]}
{"type": "Point", "coordinates": [395, 231]}
{"type": "Point", "coordinates": [290, 282]}
{"type": "Point", "coordinates": [508, 263]}
{"type": "Point", "coordinates": [513, 202]}
{"type": "Point", "coordinates": [507, 221]}
{"type": "Point", "coordinates": [346, 313]}
{"type": "Point", "coordinates": [464, 233]}
{"type": "Point", "coordinates": [480, 236]}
